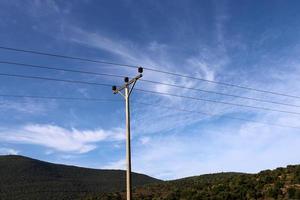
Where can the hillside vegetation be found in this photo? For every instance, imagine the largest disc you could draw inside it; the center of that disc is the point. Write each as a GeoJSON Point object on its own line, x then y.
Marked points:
{"type": "Point", "coordinates": [282, 183]}
{"type": "Point", "coordinates": [22, 178]}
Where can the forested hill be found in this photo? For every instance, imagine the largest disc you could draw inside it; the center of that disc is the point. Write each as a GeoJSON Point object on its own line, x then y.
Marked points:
{"type": "Point", "coordinates": [282, 183]}
{"type": "Point", "coordinates": [23, 178]}
{"type": "Point", "coordinates": [26, 178]}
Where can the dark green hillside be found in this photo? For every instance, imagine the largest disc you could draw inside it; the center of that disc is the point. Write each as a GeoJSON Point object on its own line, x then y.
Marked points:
{"type": "Point", "coordinates": [282, 183]}
{"type": "Point", "coordinates": [25, 178]}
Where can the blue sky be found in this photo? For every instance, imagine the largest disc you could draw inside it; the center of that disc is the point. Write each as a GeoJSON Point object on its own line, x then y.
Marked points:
{"type": "Point", "coordinates": [251, 43]}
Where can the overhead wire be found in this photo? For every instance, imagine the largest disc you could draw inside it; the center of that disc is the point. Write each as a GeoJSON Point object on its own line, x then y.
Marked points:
{"type": "Point", "coordinates": [66, 57]}
{"type": "Point", "coordinates": [145, 80]}
{"type": "Point", "coordinates": [150, 69]}
{"type": "Point", "coordinates": [214, 101]}
{"type": "Point", "coordinates": [147, 104]}
{"type": "Point", "coordinates": [54, 79]}
{"type": "Point", "coordinates": [221, 93]}
{"type": "Point", "coordinates": [147, 91]}
{"type": "Point", "coordinates": [60, 98]}
{"type": "Point", "coordinates": [223, 83]}
{"type": "Point", "coordinates": [59, 69]}
{"type": "Point", "coordinates": [216, 115]}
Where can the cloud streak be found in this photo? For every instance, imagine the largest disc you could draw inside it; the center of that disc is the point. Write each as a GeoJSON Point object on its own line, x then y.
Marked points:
{"type": "Point", "coordinates": [221, 149]}
{"type": "Point", "coordinates": [61, 139]}
{"type": "Point", "coordinates": [170, 143]}
{"type": "Point", "coordinates": [8, 151]}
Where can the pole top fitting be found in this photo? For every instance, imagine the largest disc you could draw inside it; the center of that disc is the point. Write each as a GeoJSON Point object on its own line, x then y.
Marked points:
{"type": "Point", "coordinates": [114, 88]}
{"type": "Point", "coordinates": [140, 70]}
{"type": "Point", "coordinates": [126, 79]}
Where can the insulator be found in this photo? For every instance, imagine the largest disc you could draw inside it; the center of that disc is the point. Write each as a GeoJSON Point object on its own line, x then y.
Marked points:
{"type": "Point", "coordinates": [140, 70]}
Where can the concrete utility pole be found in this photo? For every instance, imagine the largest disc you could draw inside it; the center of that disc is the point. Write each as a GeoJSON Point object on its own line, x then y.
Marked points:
{"type": "Point", "coordinates": [126, 87]}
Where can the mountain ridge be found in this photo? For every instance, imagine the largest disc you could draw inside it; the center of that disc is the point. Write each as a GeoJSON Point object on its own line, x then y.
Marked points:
{"type": "Point", "coordinates": [26, 178]}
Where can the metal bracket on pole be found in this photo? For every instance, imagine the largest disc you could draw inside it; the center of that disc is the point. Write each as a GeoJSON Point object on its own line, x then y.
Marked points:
{"type": "Point", "coordinates": [127, 84]}
{"type": "Point", "coordinates": [121, 94]}
{"type": "Point", "coordinates": [126, 95]}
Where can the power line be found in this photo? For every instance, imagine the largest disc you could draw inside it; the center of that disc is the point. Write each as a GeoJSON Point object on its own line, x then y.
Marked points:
{"type": "Point", "coordinates": [219, 102]}
{"type": "Point", "coordinates": [147, 91]}
{"type": "Point", "coordinates": [220, 93]}
{"type": "Point", "coordinates": [59, 69]}
{"type": "Point", "coordinates": [143, 103]}
{"type": "Point", "coordinates": [215, 115]}
{"type": "Point", "coordinates": [59, 98]}
{"type": "Point", "coordinates": [150, 69]}
{"type": "Point", "coordinates": [148, 81]}
{"type": "Point", "coordinates": [54, 79]}
{"type": "Point", "coordinates": [223, 83]}
{"type": "Point", "coordinates": [66, 57]}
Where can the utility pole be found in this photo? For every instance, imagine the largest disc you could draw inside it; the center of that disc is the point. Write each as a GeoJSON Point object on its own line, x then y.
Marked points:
{"type": "Point", "coordinates": [127, 92]}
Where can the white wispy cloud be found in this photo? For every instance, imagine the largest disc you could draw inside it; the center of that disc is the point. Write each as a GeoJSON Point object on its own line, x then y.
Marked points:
{"type": "Point", "coordinates": [8, 151]}
{"type": "Point", "coordinates": [129, 52]}
{"type": "Point", "coordinates": [208, 65]}
{"type": "Point", "coordinates": [213, 149]}
{"type": "Point", "coordinates": [27, 106]}
{"type": "Point", "coordinates": [61, 139]}
{"type": "Point", "coordinates": [227, 148]}
{"type": "Point", "coordinates": [49, 4]}
{"type": "Point", "coordinates": [97, 40]}
{"type": "Point", "coordinates": [120, 164]}
{"type": "Point", "coordinates": [145, 140]}
{"type": "Point", "coordinates": [203, 69]}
